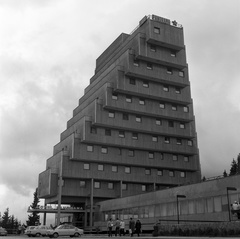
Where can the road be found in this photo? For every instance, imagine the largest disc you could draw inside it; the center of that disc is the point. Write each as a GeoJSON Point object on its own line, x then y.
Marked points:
{"type": "Point", "coordinates": [88, 236]}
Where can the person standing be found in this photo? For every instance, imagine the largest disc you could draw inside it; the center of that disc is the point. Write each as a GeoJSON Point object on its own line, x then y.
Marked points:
{"type": "Point", "coordinates": [131, 227]}
{"type": "Point", "coordinates": [110, 226]}
{"type": "Point", "coordinates": [138, 227]}
{"type": "Point", "coordinates": [117, 230]}
{"type": "Point", "coordinates": [122, 228]}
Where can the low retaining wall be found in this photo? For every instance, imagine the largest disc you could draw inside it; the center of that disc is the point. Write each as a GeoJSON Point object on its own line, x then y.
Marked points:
{"type": "Point", "coordinates": [210, 229]}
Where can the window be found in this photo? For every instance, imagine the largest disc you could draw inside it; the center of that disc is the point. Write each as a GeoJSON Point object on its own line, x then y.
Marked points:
{"type": "Point", "coordinates": [162, 105]}
{"type": "Point", "coordinates": [114, 96]}
{"type": "Point", "coordinates": [185, 109]}
{"type": "Point", "coordinates": [124, 186]}
{"type": "Point", "coordinates": [134, 136]}
{"type": "Point", "coordinates": [190, 143]}
{"type": "Point", "coordinates": [154, 138]}
{"type": "Point", "coordinates": [165, 88]}
{"type": "Point", "coordinates": [97, 184]}
{"type": "Point", "coordinates": [108, 132]}
{"type": "Point", "coordinates": [144, 188]}
{"type": "Point", "coordinates": [82, 184]}
{"type": "Point", "coordinates": [125, 116]}
{"type": "Point", "coordinates": [175, 157]}
{"type": "Point", "coordinates": [86, 166]}
{"type": "Point", "coordinates": [110, 185]}
{"type": "Point", "coordinates": [182, 174]}
{"type": "Point", "coordinates": [111, 114]}
{"type": "Point", "coordinates": [179, 141]}
{"type": "Point", "coordinates": [119, 151]}
{"type": "Point", "coordinates": [136, 63]}
{"type": "Point", "coordinates": [149, 66]}
{"type": "Point", "coordinates": [182, 125]}
{"type": "Point", "coordinates": [100, 167]}
{"type": "Point", "coordinates": [138, 119]}
{"type": "Point", "coordinates": [181, 73]}
{"type": "Point", "coordinates": [89, 148]}
{"type": "Point", "coordinates": [161, 156]}
{"type": "Point", "coordinates": [160, 173]}
{"type": "Point", "coordinates": [132, 81]}
{"type": "Point", "coordinates": [156, 30]}
{"type": "Point", "coordinates": [177, 90]}
{"type": "Point", "coordinates": [167, 140]}
{"type": "Point", "coordinates": [93, 130]}
{"type": "Point", "coordinates": [114, 168]}
{"type": "Point", "coordinates": [141, 101]}
{"type": "Point", "coordinates": [145, 84]}
{"type": "Point", "coordinates": [169, 71]}
{"type": "Point", "coordinates": [129, 99]}
{"type": "Point", "coordinates": [131, 153]}
{"type": "Point", "coordinates": [104, 150]}
{"type": "Point", "coordinates": [158, 122]}
{"type": "Point", "coordinates": [153, 48]}
{"type": "Point", "coordinates": [147, 171]}
{"type": "Point", "coordinates": [150, 155]}
{"type": "Point", "coordinates": [171, 173]}
{"type": "Point", "coordinates": [127, 170]}
{"type": "Point", "coordinates": [170, 124]}
{"type": "Point", "coordinates": [174, 107]}
{"type": "Point", "coordinates": [173, 53]}
{"type": "Point", "coordinates": [185, 158]}
{"type": "Point", "coordinates": [121, 134]}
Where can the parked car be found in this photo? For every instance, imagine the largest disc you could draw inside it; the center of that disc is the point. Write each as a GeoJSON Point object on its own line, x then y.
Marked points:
{"type": "Point", "coordinates": [28, 230]}
{"type": "Point", "coordinates": [3, 231]}
{"type": "Point", "coordinates": [39, 231]}
{"type": "Point", "coordinates": [65, 230]}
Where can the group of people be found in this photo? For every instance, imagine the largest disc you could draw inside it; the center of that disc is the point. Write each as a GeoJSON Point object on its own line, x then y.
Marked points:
{"type": "Point", "coordinates": [235, 206]}
{"type": "Point", "coordinates": [119, 226]}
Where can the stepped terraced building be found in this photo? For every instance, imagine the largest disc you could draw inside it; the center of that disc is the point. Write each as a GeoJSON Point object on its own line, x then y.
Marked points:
{"type": "Point", "coordinates": [133, 130]}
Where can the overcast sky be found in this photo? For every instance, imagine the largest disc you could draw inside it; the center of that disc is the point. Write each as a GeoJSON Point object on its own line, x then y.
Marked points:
{"type": "Point", "coordinates": [48, 50]}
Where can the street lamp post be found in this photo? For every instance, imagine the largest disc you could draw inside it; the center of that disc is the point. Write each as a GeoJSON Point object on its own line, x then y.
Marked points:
{"type": "Point", "coordinates": [179, 196]}
{"type": "Point", "coordinates": [229, 189]}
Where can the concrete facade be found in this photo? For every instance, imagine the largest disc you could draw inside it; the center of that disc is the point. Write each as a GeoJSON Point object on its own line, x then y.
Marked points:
{"type": "Point", "coordinates": [133, 130]}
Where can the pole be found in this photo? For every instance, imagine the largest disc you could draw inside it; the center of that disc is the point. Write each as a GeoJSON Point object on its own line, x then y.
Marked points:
{"type": "Point", "coordinates": [177, 211]}
{"type": "Point", "coordinates": [229, 215]}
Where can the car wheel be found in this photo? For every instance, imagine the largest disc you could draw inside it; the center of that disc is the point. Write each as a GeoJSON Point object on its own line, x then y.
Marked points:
{"type": "Point", "coordinates": [55, 235]}
{"type": "Point", "coordinates": [76, 234]}
{"type": "Point", "coordinates": [38, 235]}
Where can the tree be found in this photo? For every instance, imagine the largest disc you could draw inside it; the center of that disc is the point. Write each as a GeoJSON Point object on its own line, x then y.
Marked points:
{"type": "Point", "coordinates": [225, 173]}
{"type": "Point", "coordinates": [34, 217]}
{"type": "Point", "coordinates": [234, 168]}
{"type": "Point", "coordinates": [5, 218]}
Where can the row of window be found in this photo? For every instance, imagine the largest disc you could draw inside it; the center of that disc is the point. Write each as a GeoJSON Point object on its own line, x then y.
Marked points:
{"type": "Point", "coordinates": [186, 207]}
{"type": "Point", "coordinates": [166, 140]}
{"type": "Point", "coordinates": [131, 153]}
{"type": "Point", "coordinates": [127, 169]}
{"type": "Point", "coordinates": [172, 53]}
{"type": "Point", "coordinates": [145, 84]}
{"type": "Point", "coordinates": [142, 101]}
{"type": "Point", "coordinates": [149, 66]}
{"type": "Point", "coordinates": [159, 122]}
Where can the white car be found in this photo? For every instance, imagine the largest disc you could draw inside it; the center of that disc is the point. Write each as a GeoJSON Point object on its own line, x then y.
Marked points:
{"type": "Point", "coordinates": [3, 231]}
{"type": "Point", "coordinates": [39, 231]}
{"type": "Point", "coordinates": [28, 230]}
{"type": "Point", "coordinates": [65, 230]}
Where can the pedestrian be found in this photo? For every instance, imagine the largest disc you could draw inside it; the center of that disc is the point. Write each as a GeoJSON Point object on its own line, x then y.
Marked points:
{"type": "Point", "coordinates": [109, 227]}
{"type": "Point", "coordinates": [131, 227]}
{"type": "Point", "coordinates": [117, 229]}
{"type": "Point", "coordinates": [138, 227]}
{"type": "Point", "coordinates": [122, 228]}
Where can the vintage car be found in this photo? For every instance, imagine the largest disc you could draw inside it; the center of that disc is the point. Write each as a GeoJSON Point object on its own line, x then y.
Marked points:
{"type": "Point", "coordinates": [3, 231]}
{"type": "Point", "coordinates": [65, 230]}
